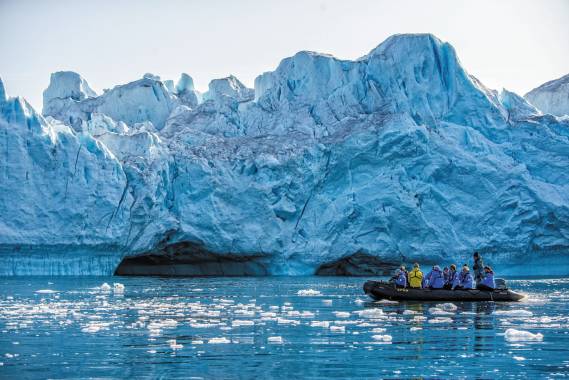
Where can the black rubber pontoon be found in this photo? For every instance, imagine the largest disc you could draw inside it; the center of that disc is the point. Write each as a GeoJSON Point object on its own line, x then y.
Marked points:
{"type": "Point", "coordinates": [379, 290]}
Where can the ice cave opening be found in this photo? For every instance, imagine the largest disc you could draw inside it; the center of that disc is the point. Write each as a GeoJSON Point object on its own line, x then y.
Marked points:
{"type": "Point", "coordinates": [191, 259]}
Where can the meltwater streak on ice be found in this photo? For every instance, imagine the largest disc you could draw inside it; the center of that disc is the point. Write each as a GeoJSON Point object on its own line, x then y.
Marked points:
{"type": "Point", "coordinates": [272, 328]}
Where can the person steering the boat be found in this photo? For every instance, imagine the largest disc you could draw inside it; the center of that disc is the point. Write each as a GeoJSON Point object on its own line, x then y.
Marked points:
{"type": "Point", "coordinates": [478, 268]}
{"type": "Point", "coordinates": [436, 278]}
{"type": "Point", "coordinates": [488, 282]}
{"type": "Point", "coordinates": [400, 277]}
{"type": "Point", "coordinates": [464, 279]}
{"type": "Point", "coordinates": [416, 277]}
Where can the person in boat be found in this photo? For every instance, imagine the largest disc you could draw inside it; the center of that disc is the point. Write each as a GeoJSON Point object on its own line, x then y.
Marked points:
{"type": "Point", "coordinates": [450, 278]}
{"type": "Point", "coordinates": [478, 268]}
{"type": "Point", "coordinates": [488, 282]}
{"type": "Point", "coordinates": [426, 279]}
{"type": "Point", "coordinates": [415, 277]}
{"type": "Point", "coordinates": [445, 274]}
{"type": "Point", "coordinates": [464, 279]}
{"type": "Point", "coordinates": [436, 278]}
{"type": "Point", "coordinates": [400, 277]}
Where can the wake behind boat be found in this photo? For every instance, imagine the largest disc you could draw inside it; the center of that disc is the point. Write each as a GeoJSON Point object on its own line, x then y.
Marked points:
{"type": "Point", "coordinates": [379, 290]}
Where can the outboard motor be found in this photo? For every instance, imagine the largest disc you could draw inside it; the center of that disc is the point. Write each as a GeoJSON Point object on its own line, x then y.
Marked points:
{"type": "Point", "coordinates": [500, 284]}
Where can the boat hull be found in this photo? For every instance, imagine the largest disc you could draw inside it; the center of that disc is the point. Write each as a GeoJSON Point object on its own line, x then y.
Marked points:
{"type": "Point", "coordinates": [381, 290]}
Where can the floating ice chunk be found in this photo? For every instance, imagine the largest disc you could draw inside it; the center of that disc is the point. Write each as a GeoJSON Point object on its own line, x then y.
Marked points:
{"type": "Point", "coordinates": [514, 313]}
{"type": "Point", "coordinates": [438, 311]}
{"type": "Point", "coordinates": [440, 320]}
{"type": "Point", "coordinates": [94, 327]}
{"type": "Point", "coordinates": [174, 345]}
{"type": "Point", "coordinates": [118, 287]}
{"type": "Point", "coordinates": [514, 335]}
{"type": "Point", "coordinates": [197, 341]}
{"type": "Point", "coordinates": [308, 292]}
{"type": "Point", "coordinates": [275, 340]}
{"type": "Point", "coordinates": [374, 313]}
{"type": "Point", "coordinates": [327, 302]}
{"type": "Point", "coordinates": [338, 329]}
{"type": "Point", "coordinates": [409, 312]}
{"type": "Point", "coordinates": [545, 320]}
{"type": "Point", "coordinates": [105, 287]}
{"type": "Point", "coordinates": [519, 358]}
{"type": "Point", "coordinates": [447, 306]}
{"type": "Point", "coordinates": [238, 322]}
{"type": "Point", "coordinates": [284, 321]}
{"type": "Point", "coordinates": [359, 301]}
{"type": "Point", "coordinates": [202, 325]}
{"type": "Point", "coordinates": [268, 314]}
{"type": "Point", "coordinates": [415, 328]}
{"type": "Point", "coordinates": [386, 302]}
{"type": "Point", "coordinates": [46, 291]}
{"type": "Point", "coordinates": [342, 314]}
{"type": "Point", "coordinates": [383, 338]}
{"type": "Point", "coordinates": [324, 324]}
{"type": "Point", "coordinates": [378, 330]}
{"type": "Point", "coordinates": [222, 340]}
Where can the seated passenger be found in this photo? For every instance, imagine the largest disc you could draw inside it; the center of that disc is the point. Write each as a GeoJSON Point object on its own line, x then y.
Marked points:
{"type": "Point", "coordinates": [465, 280]}
{"type": "Point", "coordinates": [487, 282]}
{"type": "Point", "coordinates": [400, 277]}
{"type": "Point", "coordinates": [415, 277]}
{"type": "Point", "coordinates": [436, 280]}
{"type": "Point", "coordinates": [427, 278]}
{"type": "Point", "coordinates": [451, 277]}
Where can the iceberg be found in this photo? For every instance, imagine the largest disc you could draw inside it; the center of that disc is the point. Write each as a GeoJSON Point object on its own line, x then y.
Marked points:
{"type": "Point", "coordinates": [327, 166]}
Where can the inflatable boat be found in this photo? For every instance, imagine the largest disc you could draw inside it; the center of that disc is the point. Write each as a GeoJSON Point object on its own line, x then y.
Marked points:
{"type": "Point", "coordinates": [379, 290]}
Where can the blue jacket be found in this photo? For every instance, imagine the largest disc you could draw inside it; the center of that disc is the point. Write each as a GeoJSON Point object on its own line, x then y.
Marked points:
{"type": "Point", "coordinates": [436, 279]}
{"type": "Point", "coordinates": [466, 280]}
{"type": "Point", "coordinates": [451, 277]}
{"type": "Point", "coordinates": [489, 280]}
{"type": "Point", "coordinates": [401, 278]}
{"type": "Point", "coordinates": [427, 279]}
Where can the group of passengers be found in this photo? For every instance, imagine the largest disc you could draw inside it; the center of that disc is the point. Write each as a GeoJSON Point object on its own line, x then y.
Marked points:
{"type": "Point", "coordinates": [448, 278]}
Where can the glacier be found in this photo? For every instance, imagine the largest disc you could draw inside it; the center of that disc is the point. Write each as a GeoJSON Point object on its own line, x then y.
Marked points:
{"type": "Point", "coordinates": [327, 166]}
{"type": "Point", "coordinates": [551, 97]}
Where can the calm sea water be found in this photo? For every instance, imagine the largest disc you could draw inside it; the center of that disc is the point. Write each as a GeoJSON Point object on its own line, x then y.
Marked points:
{"type": "Point", "coordinates": [281, 327]}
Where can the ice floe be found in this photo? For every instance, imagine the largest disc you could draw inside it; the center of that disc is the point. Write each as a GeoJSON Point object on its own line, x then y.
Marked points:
{"type": "Point", "coordinates": [513, 335]}
{"type": "Point", "coordinates": [118, 287]}
{"type": "Point", "coordinates": [440, 320]}
{"type": "Point", "coordinates": [338, 329]}
{"type": "Point", "coordinates": [222, 340]}
{"type": "Point", "coordinates": [46, 291]}
{"type": "Point", "coordinates": [275, 340]}
{"type": "Point", "coordinates": [514, 313]}
{"type": "Point", "coordinates": [309, 292]}
{"type": "Point", "coordinates": [383, 338]}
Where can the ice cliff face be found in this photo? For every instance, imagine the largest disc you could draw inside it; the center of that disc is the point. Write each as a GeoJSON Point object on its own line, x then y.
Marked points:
{"type": "Point", "coordinates": [551, 97]}
{"type": "Point", "coordinates": [328, 166]}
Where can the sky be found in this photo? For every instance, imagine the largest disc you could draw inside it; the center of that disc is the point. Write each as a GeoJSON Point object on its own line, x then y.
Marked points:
{"type": "Point", "coordinates": [516, 45]}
